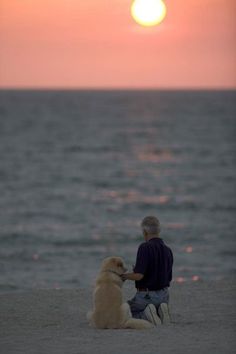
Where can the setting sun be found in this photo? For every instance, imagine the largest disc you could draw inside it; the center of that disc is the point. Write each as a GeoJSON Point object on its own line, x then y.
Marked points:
{"type": "Point", "coordinates": [148, 12]}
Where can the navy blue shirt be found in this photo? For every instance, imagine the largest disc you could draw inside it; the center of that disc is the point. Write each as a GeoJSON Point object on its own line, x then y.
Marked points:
{"type": "Point", "coordinates": [154, 260]}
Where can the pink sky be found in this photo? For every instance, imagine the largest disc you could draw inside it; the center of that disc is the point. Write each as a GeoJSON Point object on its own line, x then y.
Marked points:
{"type": "Point", "coordinates": [96, 44]}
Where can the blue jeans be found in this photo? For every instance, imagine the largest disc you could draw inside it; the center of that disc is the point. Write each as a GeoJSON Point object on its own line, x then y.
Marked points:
{"type": "Point", "coordinates": [144, 298]}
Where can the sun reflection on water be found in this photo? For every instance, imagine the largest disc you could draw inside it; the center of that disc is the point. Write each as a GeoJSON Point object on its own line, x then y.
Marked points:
{"type": "Point", "coordinates": [189, 249]}
{"type": "Point", "coordinates": [182, 280]}
{"type": "Point", "coordinates": [133, 196]}
{"type": "Point", "coordinates": [152, 156]}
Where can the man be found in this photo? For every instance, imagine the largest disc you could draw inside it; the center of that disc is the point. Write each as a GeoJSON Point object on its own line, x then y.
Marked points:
{"type": "Point", "coordinates": [152, 274]}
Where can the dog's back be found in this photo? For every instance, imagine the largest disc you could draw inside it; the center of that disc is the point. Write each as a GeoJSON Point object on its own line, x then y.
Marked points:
{"type": "Point", "coordinates": [107, 303]}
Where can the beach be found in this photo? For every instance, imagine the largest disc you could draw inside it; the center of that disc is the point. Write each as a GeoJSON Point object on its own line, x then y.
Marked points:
{"type": "Point", "coordinates": [54, 322]}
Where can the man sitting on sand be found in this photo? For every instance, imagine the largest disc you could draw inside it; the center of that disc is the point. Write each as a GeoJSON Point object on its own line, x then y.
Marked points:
{"type": "Point", "coordinates": [152, 274]}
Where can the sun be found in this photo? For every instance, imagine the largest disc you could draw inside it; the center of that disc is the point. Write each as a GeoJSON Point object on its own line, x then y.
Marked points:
{"type": "Point", "coordinates": [148, 12]}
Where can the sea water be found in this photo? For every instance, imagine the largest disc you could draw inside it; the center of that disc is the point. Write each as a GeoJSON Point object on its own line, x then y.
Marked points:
{"type": "Point", "coordinates": [79, 170]}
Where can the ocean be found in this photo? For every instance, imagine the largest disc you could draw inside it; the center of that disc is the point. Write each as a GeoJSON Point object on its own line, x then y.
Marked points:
{"type": "Point", "coordinates": [79, 170]}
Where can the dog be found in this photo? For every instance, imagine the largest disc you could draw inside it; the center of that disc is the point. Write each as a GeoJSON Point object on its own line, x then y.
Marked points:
{"type": "Point", "coordinates": [109, 311]}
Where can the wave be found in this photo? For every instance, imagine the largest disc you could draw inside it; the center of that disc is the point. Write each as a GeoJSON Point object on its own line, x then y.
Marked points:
{"type": "Point", "coordinates": [25, 240]}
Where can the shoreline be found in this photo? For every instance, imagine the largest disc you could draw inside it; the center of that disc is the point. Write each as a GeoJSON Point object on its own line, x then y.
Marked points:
{"type": "Point", "coordinates": [54, 322]}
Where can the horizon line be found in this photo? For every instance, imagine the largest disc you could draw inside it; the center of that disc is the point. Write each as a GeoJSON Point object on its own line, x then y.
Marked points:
{"type": "Point", "coordinates": [118, 88]}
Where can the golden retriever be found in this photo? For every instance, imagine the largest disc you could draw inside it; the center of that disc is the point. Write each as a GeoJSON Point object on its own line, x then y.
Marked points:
{"type": "Point", "coordinates": [109, 310]}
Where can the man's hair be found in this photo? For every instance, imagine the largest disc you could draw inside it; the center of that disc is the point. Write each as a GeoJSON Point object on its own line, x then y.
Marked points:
{"type": "Point", "coordinates": [151, 225]}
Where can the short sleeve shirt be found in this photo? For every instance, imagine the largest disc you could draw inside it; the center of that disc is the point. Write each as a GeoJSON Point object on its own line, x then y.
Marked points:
{"type": "Point", "coordinates": [155, 261]}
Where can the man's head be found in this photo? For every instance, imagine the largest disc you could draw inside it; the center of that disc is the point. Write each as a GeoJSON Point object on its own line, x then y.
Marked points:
{"type": "Point", "coordinates": [150, 227]}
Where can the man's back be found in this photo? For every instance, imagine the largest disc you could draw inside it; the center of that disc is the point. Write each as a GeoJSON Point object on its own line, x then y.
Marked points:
{"type": "Point", "coordinates": [155, 261]}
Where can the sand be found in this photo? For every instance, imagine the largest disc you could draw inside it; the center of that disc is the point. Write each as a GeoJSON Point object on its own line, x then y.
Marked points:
{"type": "Point", "coordinates": [54, 321]}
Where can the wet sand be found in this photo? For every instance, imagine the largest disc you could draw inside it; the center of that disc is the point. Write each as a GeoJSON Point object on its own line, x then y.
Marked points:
{"type": "Point", "coordinates": [54, 322]}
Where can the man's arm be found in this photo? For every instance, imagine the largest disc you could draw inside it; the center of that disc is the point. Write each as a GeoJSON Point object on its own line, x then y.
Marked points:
{"type": "Point", "coordinates": [132, 276]}
{"type": "Point", "coordinates": [140, 266]}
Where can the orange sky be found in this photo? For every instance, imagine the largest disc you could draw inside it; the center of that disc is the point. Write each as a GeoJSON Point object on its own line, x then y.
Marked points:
{"type": "Point", "coordinates": [96, 44]}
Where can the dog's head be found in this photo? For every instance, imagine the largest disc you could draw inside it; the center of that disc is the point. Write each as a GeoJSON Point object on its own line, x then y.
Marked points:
{"type": "Point", "coordinates": [115, 264]}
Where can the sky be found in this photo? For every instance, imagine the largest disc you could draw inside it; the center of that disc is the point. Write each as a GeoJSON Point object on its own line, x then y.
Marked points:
{"type": "Point", "coordinates": [97, 44]}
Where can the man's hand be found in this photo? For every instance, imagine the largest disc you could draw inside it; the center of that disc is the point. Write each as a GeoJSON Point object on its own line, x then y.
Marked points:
{"type": "Point", "coordinates": [124, 276]}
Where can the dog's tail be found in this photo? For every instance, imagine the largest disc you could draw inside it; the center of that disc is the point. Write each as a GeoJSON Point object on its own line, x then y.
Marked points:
{"type": "Point", "coordinates": [134, 323]}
